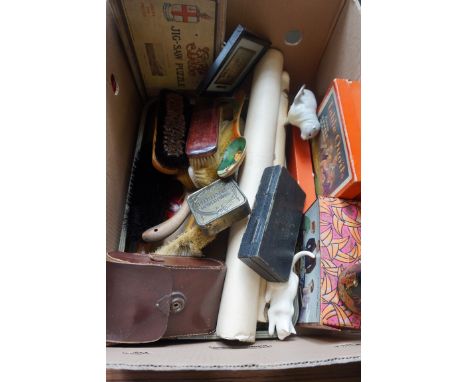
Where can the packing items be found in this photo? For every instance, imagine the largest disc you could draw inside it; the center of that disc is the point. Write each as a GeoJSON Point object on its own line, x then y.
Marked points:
{"type": "Point", "coordinates": [237, 318]}
{"type": "Point", "coordinates": [162, 298]}
{"type": "Point", "coordinates": [300, 167]}
{"type": "Point", "coordinates": [173, 40]}
{"type": "Point", "coordinates": [218, 205]}
{"type": "Point", "coordinates": [240, 54]}
{"type": "Point", "coordinates": [269, 240]}
{"type": "Point", "coordinates": [334, 225]}
{"type": "Point", "coordinates": [336, 152]}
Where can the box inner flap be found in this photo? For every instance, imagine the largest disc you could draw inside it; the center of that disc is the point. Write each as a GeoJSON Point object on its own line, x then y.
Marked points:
{"type": "Point", "coordinates": [264, 354]}
{"type": "Point", "coordinates": [122, 115]}
{"type": "Point", "coordinates": [342, 57]}
{"type": "Point", "coordinates": [273, 19]}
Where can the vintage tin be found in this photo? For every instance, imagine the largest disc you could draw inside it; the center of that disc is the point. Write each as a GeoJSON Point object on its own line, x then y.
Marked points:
{"type": "Point", "coordinates": [218, 205]}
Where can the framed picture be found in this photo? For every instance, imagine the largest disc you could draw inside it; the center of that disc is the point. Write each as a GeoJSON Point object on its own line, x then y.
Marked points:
{"type": "Point", "coordinates": [238, 57]}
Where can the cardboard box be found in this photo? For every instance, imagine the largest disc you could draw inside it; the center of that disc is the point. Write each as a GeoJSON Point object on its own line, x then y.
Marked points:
{"type": "Point", "coordinates": [335, 226]}
{"type": "Point", "coordinates": [300, 166]}
{"type": "Point", "coordinates": [340, 247]}
{"type": "Point", "coordinates": [330, 48]}
{"type": "Point", "coordinates": [173, 41]}
{"type": "Point", "coordinates": [336, 151]}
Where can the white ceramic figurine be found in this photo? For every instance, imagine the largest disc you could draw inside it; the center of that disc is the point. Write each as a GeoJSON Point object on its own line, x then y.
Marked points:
{"type": "Point", "coordinates": [303, 113]}
{"type": "Point", "coordinates": [281, 298]}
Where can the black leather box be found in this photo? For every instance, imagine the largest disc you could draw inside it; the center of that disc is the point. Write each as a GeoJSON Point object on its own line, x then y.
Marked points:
{"type": "Point", "coordinates": [270, 237]}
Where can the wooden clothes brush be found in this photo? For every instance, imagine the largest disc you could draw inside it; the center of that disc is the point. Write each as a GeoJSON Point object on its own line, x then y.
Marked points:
{"type": "Point", "coordinates": [205, 175]}
{"type": "Point", "coordinates": [148, 189]}
{"type": "Point", "coordinates": [170, 133]}
{"type": "Point", "coordinates": [208, 139]}
{"type": "Point", "coordinates": [169, 226]}
{"type": "Point", "coordinates": [203, 134]}
{"type": "Point", "coordinates": [184, 178]}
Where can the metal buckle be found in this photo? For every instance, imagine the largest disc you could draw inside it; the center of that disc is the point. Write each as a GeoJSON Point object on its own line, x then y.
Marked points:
{"type": "Point", "coordinates": [177, 302]}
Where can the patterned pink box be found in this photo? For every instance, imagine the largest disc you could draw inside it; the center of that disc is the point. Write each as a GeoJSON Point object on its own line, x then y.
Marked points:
{"type": "Point", "coordinates": [340, 247]}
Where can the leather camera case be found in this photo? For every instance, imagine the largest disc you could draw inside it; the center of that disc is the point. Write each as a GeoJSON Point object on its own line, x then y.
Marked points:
{"type": "Point", "coordinates": [164, 297]}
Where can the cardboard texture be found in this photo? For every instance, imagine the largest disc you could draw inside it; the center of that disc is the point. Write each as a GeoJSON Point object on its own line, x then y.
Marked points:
{"type": "Point", "coordinates": [330, 48]}
{"type": "Point", "coordinates": [336, 151]}
{"type": "Point", "coordinates": [122, 116]}
{"type": "Point", "coordinates": [274, 18]}
{"type": "Point", "coordinates": [264, 354]}
{"type": "Point", "coordinates": [342, 57]}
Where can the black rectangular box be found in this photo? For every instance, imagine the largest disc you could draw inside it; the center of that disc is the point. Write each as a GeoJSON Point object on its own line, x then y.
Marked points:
{"type": "Point", "coordinates": [270, 238]}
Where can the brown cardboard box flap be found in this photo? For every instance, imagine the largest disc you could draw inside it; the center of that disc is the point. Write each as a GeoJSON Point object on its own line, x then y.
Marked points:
{"type": "Point", "coordinates": [294, 352]}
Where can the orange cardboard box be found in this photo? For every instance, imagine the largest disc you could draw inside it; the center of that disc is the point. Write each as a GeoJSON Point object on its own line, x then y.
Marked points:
{"type": "Point", "coordinates": [300, 166]}
{"type": "Point", "coordinates": [336, 152]}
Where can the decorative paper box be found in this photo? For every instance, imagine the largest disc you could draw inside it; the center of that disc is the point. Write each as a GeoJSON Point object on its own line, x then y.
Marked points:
{"type": "Point", "coordinates": [336, 152]}
{"type": "Point", "coordinates": [337, 223]}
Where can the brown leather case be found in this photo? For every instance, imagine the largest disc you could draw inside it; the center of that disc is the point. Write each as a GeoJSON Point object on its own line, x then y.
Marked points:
{"type": "Point", "coordinates": [171, 296]}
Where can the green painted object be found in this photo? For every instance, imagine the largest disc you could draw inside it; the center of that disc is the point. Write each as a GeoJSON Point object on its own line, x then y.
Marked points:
{"type": "Point", "coordinates": [232, 157]}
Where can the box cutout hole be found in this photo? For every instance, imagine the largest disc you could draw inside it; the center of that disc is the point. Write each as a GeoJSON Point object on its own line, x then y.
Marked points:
{"type": "Point", "coordinates": [293, 37]}
{"type": "Point", "coordinates": [114, 84]}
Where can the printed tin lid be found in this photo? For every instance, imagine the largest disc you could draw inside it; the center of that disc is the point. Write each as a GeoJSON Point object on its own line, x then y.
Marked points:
{"type": "Point", "coordinates": [215, 201]}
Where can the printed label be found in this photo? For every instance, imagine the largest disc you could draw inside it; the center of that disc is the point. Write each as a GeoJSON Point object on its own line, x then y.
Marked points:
{"type": "Point", "coordinates": [335, 169]}
{"type": "Point", "coordinates": [173, 41]}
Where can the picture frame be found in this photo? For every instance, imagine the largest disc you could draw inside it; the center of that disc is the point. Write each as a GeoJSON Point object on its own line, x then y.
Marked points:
{"type": "Point", "coordinates": [240, 54]}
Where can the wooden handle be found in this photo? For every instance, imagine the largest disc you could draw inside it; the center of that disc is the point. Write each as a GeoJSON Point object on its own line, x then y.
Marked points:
{"type": "Point", "coordinates": [163, 230]}
{"type": "Point", "coordinates": [239, 103]}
